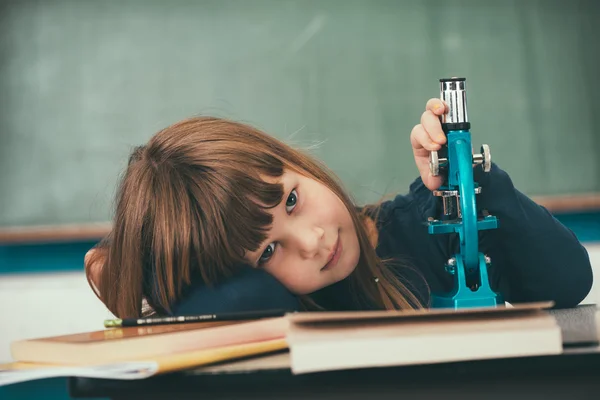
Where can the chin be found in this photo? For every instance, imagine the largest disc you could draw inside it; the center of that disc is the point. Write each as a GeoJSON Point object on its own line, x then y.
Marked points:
{"type": "Point", "coordinates": [347, 270]}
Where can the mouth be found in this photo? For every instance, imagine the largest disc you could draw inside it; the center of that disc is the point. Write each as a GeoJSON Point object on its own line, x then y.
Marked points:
{"type": "Point", "coordinates": [334, 256]}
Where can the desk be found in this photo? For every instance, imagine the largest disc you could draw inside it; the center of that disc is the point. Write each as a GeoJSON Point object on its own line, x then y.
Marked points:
{"type": "Point", "coordinates": [573, 375]}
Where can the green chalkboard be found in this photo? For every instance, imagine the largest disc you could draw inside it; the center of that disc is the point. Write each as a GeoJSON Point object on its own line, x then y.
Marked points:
{"type": "Point", "coordinates": [81, 82]}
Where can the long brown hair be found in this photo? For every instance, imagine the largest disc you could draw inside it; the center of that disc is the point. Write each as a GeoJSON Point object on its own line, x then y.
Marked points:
{"type": "Point", "coordinates": [194, 200]}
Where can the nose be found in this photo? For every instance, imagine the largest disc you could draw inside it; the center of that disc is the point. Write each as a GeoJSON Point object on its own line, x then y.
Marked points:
{"type": "Point", "coordinates": [309, 241]}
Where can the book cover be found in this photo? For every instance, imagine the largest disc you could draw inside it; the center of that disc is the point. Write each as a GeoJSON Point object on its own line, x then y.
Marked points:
{"type": "Point", "coordinates": [135, 343]}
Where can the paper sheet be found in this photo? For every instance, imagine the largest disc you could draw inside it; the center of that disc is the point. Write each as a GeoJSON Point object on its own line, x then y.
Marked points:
{"type": "Point", "coordinates": [19, 372]}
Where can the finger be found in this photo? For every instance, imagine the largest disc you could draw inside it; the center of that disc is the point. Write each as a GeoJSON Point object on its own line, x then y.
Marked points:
{"type": "Point", "coordinates": [436, 106]}
{"type": "Point", "coordinates": [430, 181]}
{"type": "Point", "coordinates": [433, 127]}
{"type": "Point", "coordinates": [420, 139]}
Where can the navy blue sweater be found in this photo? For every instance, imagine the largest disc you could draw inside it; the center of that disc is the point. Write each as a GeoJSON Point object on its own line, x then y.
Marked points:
{"type": "Point", "coordinates": [534, 257]}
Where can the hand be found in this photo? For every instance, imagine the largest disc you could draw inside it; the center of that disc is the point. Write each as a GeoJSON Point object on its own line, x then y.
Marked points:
{"type": "Point", "coordinates": [426, 137]}
{"type": "Point", "coordinates": [93, 262]}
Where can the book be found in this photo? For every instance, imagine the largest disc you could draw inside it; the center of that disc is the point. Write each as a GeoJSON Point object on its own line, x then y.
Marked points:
{"type": "Point", "coordinates": [345, 340]}
{"type": "Point", "coordinates": [129, 370]}
{"type": "Point", "coordinates": [138, 343]}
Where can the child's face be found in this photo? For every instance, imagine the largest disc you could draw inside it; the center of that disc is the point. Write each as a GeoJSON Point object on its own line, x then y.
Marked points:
{"type": "Point", "coordinates": [308, 226]}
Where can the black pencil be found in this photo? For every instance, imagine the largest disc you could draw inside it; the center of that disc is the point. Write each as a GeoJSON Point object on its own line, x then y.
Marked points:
{"type": "Point", "coordinates": [233, 316]}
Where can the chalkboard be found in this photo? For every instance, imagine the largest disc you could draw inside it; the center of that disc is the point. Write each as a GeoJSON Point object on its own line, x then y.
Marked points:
{"type": "Point", "coordinates": [82, 82]}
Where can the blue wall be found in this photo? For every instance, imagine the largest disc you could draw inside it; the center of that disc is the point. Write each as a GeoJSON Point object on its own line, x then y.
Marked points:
{"type": "Point", "coordinates": [45, 389]}
{"type": "Point", "coordinates": [586, 225]}
{"type": "Point", "coordinates": [43, 257]}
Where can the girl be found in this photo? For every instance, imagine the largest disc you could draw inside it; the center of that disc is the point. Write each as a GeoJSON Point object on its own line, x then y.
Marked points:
{"type": "Point", "coordinates": [213, 216]}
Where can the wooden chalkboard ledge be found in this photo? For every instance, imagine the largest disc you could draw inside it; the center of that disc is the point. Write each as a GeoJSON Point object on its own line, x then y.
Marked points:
{"type": "Point", "coordinates": [576, 203]}
{"type": "Point", "coordinates": [54, 233]}
{"type": "Point", "coordinates": [580, 203]}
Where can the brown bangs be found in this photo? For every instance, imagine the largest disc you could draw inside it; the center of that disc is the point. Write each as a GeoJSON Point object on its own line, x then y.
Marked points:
{"type": "Point", "coordinates": [237, 212]}
{"type": "Point", "coordinates": [223, 200]}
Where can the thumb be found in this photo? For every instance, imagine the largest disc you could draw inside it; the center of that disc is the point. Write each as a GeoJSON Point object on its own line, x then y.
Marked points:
{"type": "Point", "coordinates": [432, 182]}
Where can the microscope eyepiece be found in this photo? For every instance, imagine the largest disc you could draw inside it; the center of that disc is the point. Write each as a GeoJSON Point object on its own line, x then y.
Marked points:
{"type": "Point", "coordinates": [454, 92]}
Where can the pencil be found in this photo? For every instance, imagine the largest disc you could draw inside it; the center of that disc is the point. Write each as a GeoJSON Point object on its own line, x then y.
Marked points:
{"type": "Point", "coordinates": [232, 316]}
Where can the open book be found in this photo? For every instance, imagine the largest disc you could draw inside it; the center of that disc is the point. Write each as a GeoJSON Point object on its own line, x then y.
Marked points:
{"type": "Point", "coordinates": [129, 370]}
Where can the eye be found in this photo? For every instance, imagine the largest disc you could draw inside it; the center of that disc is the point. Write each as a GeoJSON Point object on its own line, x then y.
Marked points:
{"type": "Point", "coordinates": [267, 254]}
{"type": "Point", "coordinates": [291, 201]}
{"type": "Point", "coordinates": [290, 204]}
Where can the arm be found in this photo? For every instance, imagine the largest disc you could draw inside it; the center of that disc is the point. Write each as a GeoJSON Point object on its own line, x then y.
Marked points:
{"type": "Point", "coordinates": [534, 257]}
{"type": "Point", "coordinates": [250, 290]}
{"type": "Point", "coordinates": [93, 261]}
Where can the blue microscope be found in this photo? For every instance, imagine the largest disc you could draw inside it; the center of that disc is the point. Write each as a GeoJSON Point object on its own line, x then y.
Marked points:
{"type": "Point", "coordinates": [455, 162]}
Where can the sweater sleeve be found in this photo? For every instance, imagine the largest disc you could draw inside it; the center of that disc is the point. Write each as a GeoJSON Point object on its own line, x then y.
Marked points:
{"type": "Point", "coordinates": [249, 290]}
{"type": "Point", "coordinates": [534, 257]}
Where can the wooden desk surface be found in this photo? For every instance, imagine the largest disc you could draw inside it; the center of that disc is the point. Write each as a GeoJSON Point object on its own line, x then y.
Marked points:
{"type": "Point", "coordinates": [573, 375]}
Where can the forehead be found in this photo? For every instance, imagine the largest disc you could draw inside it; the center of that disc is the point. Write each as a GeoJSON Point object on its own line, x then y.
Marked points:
{"type": "Point", "coordinates": [288, 175]}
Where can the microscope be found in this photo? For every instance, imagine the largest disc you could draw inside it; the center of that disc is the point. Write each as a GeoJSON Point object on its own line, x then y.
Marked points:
{"type": "Point", "coordinates": [455, 162]}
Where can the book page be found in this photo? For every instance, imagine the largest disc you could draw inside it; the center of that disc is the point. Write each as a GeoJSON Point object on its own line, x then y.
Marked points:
{"type": "Point", "coordinates": [22, 372]}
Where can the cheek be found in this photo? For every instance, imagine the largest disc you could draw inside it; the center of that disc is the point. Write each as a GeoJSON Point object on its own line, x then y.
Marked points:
{"type": "Point", "coordinates": [330, 209]}
{"type": "Point", "coordinates": [354, 253]}
{"type": "Point", "coordinates": [342, 215]}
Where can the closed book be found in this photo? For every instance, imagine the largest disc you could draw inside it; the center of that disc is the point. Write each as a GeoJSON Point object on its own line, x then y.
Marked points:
{"type": "Point", "coordinates": [142, 343]}
{"type": "Point", "coordinates": [372, 339]}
